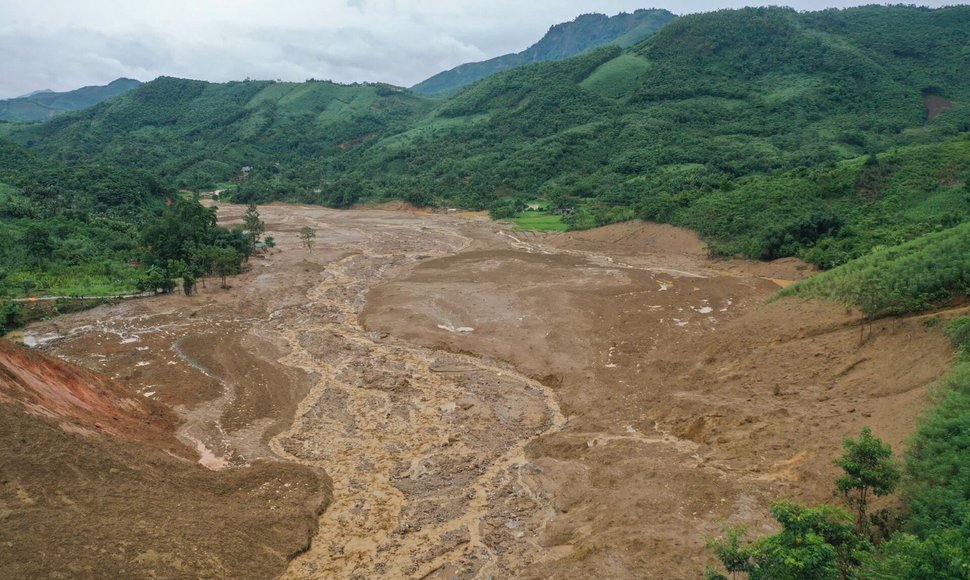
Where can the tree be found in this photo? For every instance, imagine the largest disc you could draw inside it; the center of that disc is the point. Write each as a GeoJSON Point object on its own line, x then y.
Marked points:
{"type": "Point", "coordinates": [155, 279]}
{"type": "Point", "coordinates": [817, 542]}
{"type": "Point", "coordinates": [27, 284]}
{"type": "Point", "coordinates": [307, 235]}
{"type": "Point", "coordinates": [225, 262]}
{"type": "Point", "coordinates": [255, 225]}
{"type": "Point", "coordinates": [11, 316]}
{"type": "Point", "coordinates": [183, 227]}
{"type": "Point", "coordinates": [735, 557]}
{"type": "Point", "coordinates": [814, 543]}
{"type": "Point", "coordinates": [870, 468]}
{"type": "Point", "coordinates": [37, 241]}
{"type": "Point", "coordinates": [188, 283]}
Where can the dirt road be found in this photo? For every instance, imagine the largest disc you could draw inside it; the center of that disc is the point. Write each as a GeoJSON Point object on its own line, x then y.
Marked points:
{"type": "Point", "coordinates": [490, 403]}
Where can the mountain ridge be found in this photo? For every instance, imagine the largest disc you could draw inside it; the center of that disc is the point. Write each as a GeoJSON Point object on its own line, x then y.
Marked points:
{"type": "Point", "coordinates": [769, 131]}
{"type": "Point", "coordinates": [44, 104]}
{"type": "Point", "coordinates": [563, 40]}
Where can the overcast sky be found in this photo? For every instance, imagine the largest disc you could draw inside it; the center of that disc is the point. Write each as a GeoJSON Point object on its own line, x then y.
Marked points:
{"type": "Point", "coordinates": [65, 44]}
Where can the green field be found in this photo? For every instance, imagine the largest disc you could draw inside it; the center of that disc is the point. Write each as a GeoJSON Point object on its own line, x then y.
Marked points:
{"type": "Point", "coordinates": [538, 221]}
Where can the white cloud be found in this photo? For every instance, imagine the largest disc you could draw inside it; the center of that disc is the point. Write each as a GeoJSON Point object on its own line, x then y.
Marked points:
{"type": "Point", "coordinates": [64, 44]}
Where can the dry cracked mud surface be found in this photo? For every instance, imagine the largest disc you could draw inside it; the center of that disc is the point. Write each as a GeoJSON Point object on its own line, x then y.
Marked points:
{"type": "Point", "coordinates": [494, 404]}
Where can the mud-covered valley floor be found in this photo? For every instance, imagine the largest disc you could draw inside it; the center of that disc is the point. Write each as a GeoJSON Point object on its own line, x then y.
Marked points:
{"type": "Point", "coordinates": [486, 403]}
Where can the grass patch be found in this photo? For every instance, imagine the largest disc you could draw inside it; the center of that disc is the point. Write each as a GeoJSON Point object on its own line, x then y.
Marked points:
{"type": "Point", "coordinates": [618, 78]}
{"type": "Point", "coordinates": [536, 221]}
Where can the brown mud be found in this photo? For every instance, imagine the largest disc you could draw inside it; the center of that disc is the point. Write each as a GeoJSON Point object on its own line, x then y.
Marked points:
{"type": "Point", "coordinates": [94, 484]}
{"type": "Point", "coordinates": [493, 403]}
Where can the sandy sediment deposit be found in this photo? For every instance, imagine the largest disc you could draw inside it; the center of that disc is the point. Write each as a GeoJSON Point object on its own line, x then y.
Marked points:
{"type": "Point", "coordinates": [488, 402]}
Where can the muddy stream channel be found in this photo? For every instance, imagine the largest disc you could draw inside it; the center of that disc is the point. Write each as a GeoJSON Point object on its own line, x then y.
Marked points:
{"type": "Point", "coordinates": [420, 444]}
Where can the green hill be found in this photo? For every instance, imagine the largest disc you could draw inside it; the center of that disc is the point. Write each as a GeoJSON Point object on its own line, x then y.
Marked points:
{"type": "Point", "coordinates": [42, 105]}
{"type": "Point", "coordinates": [769, 131]}
{"type": "Point", "coordinates": [200, 134]}
{"type": "Point", "coordinates": [71, 229]}
{"type": "Point", "coordinates": [562, 41]}
{"type": "Point", "coordinates": [918, 275]}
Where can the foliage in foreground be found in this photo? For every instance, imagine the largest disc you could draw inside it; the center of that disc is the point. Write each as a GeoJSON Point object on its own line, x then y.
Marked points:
{"type": "Point", "coordinates": [821, 542]}
{"type": "Point", "coordinates": [933, 541]}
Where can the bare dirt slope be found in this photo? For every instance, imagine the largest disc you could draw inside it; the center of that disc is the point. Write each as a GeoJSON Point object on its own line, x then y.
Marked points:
{"type": "Point", "coordinates": [491, 403]}
{"type": "Point", "coordinates": [94, 484]}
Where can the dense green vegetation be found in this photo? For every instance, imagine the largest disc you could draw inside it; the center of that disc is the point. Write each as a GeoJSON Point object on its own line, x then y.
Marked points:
{"type": "Point", "coordinates": [562, 41]}
{"type": "Point", "coordinates": [44, 104]}
{"type": "Point", "coordinates": [185, 243]}
{"type": "Point", "coordinates": [100, 230]}
{"type": "Point", "coordinates": [199, 135]}
{"type": "Point", "coordinates": [927, 272]}
{"type": "Point", "coordinates": [829, 215]}
{"type": "Point", "coordinates": [70, 230]}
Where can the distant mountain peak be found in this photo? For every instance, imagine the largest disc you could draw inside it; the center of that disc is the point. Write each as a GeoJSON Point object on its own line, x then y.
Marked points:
{"type": "Point", "coordinates": [32, 93]}
{"type": "Point", "coordinates": [43, 104]}
{"type": "Point", "coordinates": [563, 40]}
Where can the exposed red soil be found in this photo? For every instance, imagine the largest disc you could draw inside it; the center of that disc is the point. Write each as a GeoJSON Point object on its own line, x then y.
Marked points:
{"type": "Point", "coordinates": [935, 106]}
{"type": "Point", "coordinates": [94, 483]}
{"type": "Point", "coordinates": [81, 401]}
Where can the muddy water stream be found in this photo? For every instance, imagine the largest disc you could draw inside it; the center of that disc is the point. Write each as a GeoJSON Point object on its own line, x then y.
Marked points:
{"type": "Point", "coordinates": [425, 448]}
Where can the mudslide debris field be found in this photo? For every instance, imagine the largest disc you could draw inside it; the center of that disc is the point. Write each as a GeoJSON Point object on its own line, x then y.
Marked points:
{"type": "Point", "coordinates": [490, 403]}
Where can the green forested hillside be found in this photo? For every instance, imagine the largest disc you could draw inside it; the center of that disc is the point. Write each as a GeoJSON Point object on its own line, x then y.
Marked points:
{"type": "Point", "coordinates": [771, 132]}
{"type": "Point", "coordinates": [70, 230]}
{"type": "Point", "coordinates": [197, 134]}
{"type": "Point", "coordinates": [45, 104]}
{"type": "Point", "coordinates": [97, 229]}
{"type": "Point", "coordinates": [562, 41]}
